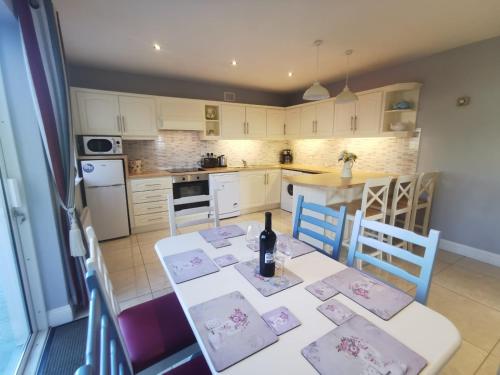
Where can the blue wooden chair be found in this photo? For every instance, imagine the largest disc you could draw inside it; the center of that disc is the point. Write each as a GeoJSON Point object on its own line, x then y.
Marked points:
{"type": "Point", "coordinates": [425, 262]}
{"type": "Point", "coordinates": [105, 351]}
{"type": "Point", "coordinates": [323, 224]}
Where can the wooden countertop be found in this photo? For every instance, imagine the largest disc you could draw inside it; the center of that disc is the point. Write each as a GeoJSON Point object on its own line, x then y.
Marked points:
{"type": "Point", "coordinates": [334, 181]}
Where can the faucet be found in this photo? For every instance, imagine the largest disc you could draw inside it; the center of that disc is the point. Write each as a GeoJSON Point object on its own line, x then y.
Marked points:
{"type": "Point", "coordinates": [245, 164]}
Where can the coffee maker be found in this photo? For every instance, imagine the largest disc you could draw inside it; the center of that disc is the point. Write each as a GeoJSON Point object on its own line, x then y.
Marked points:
{"type": "Point", "coordinates": [286, 156]}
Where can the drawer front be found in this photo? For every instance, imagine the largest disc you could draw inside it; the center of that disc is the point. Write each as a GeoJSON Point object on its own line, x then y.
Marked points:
{"type": "Point", "coordinates": [146, 184]}
{"type": "Point", "coordinates": [150, 196]}
{"type": "Point", "coordinates": [150, 207]}
{"type": "Point", "coordinates": [150, 219]}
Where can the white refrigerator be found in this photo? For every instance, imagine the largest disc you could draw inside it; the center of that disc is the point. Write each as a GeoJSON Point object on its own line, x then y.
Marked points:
{"type": "Point", "coordinates": [106, 196]}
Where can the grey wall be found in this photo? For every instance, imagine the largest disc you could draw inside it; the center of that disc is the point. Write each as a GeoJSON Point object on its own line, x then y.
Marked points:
{"type": "Point", "coordinates": [461, 142]}
{"type": "Point", "coordinates": [35, 171]}
{"type": "Point", "coordinates": [143, 84]}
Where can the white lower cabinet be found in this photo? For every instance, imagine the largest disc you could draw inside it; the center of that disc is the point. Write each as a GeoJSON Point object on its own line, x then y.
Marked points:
{"type": "Point", "coordinates": [149, 207]}
{"type": "Point", "coordinates": [260, 189]}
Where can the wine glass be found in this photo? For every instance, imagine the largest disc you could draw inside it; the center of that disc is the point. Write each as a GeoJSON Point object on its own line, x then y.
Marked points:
{"type": "Point", "coordinates": [283, 253]}
{"type": "Point", "coordinates": [252, 236]}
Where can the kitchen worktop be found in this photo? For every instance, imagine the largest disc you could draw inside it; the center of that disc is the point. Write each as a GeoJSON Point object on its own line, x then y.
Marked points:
{"type": "Point", "coordinates": [295, 167]}
{"type": "Point", "coordinates": [333, 179]}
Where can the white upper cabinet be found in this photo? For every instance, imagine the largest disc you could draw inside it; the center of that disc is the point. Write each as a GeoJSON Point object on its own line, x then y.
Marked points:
{"type": "Point", "coordinates": [138, 116]}
{"type": "Point", "coordinates": [256, 122]}
{"type": "Point", "coordinates": [103, 113]}
{"type": "Point", "coordinates": [98, 113]}
{"type": "Point", "coordinates": [275, 122]}
{"type": "Point", "coordinates": [316, 120]}
{"type": "Point", "coordinates": [292, 122]}
{"type": "Point", "coordinates": [180, 114]}
{"type": "Point", "coordinates": [233, 121]}
{"type": "Point", "coordinates": [359, 119]}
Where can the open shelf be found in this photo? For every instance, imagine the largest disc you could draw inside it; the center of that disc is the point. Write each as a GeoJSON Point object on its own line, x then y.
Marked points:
{"type": "Point", "coordinates": [212, 122]}
{"type": "Point", "coordinates": [408, 92]}
{"type": "Point", "coordinates": [399, 110]}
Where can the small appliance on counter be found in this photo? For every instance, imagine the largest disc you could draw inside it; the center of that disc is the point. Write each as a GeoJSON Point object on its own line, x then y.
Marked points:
{"type": "Point", "coordinates": [209, 161]}
{"type": "Point", "coordinates": [99, 145]}
{"type": "Point", "coordinates": [286, 156]}
{"type": "Point", "coordinates": [222, 160]}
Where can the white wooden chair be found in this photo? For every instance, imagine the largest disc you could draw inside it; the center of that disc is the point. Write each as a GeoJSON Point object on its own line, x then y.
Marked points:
{"type": "Point", "coordinates": [401, 204]}
{"type": "Point", "coordinates": [422, 200]}
{"type": "Point", "coordinates": [192, 216]}
{"type": "Point", "coordinates": [373, 205]}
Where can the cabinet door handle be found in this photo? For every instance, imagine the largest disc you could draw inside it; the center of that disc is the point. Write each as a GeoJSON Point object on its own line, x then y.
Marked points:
{"type": "Point", "coordinates": [123, 123]}
{"type": "Point", "coordinates": [355, 123]}
{"type": "Point", "coordinates": [244, 127]}
{"type": "Point", "coordinates": [352, 119]}
{"type": "Point", "coordinates": [284, 129]}
{"type": "Point", "coordinates": [118, 123]}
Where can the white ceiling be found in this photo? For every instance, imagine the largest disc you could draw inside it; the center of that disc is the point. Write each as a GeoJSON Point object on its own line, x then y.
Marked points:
{"type": "Point", "coordinates": [268, 38]}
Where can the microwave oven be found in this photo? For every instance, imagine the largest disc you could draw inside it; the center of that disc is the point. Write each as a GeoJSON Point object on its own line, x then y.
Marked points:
{"type": "Point", "coordinates": [99, 145]}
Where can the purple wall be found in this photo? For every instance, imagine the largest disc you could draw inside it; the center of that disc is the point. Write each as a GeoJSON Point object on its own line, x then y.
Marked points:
{"type": "Point", "coordinates": [143, 84]}
{"type": "Point", "coordinates": [461, 142]}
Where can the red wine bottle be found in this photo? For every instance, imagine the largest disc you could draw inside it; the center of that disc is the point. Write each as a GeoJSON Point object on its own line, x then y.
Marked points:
{"type": "Point", "coordinates": [267, 244]}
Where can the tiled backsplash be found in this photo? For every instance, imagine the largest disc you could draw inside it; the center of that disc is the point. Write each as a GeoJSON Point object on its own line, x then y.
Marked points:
{"type": "Point", "coordinates": [184, 148]}
{"type": "Point", "coordinates": [398, 155]}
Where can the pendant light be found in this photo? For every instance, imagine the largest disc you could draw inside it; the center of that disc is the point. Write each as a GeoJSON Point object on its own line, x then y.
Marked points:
{"type": "Point", "coordinates": [316, 91]}
{"type": "Point", "coordinates": [346, 96]}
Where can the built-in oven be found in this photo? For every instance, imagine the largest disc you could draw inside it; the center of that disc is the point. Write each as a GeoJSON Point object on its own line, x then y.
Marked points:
{"type": "Point", "coordinates": [188, 186]}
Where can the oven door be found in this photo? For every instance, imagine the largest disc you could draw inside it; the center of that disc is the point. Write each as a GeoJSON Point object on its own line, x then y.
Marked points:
{"type": "Point", "coordinates": [190, 189]}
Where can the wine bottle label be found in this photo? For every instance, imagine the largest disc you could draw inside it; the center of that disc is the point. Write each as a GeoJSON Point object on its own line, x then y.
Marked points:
{"type": "Point", "coordinates": [269, 258]}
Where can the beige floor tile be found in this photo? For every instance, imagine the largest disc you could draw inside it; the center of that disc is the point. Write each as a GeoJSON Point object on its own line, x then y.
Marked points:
{"type": "Point", "coordinates": [496, 349]}
{"type": "Point", "coordinates": [157, 277]}
{"type": "Point", "coordinates": [448, 257]}
{"type": "Point", "coordinates": [135, 301]}
{"type": "Point", "coordinates": [465, 361]}
{"type": "Point", "coordinates": [148, 253]}
{"type": "Point", "coordinates": [122, 258]}
{"type": "Point", "coordinates": [129, 241]}
{"type": "Point", "coordinates": [479, 267]}
{"type": "Point", "coordinates": [152, 237]}
{"type": "Point", "coordinates": [491, 366]}
{"type": "Point", "coordinates": [474, 320]}
{"type": "Point", "coordinates": [130, 283]}
{"type": "Point", "coordinates": [162, 292]}
{"type": "Point", "coordinates": [476, 286]}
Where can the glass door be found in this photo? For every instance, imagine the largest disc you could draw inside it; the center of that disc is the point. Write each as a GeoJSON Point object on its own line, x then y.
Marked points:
{"type": "Point", "coordinates": [15, 327]}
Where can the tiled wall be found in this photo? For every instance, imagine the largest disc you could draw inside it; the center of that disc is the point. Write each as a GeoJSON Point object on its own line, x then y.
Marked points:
{"type": "Point", "coordinates": [398, 155]}
{"type": "Point", "coordinates": [184, 149]}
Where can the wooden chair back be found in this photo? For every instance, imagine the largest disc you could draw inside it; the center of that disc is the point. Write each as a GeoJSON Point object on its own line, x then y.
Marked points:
{"type": "Point", "coordinates": [105, 352]}
{"type": "Point", "coordinates": [96, 262]}
{"type": "Point", "coordinates": [325, 226]}
{"type": "Point", "coordinates": [424, 193]}
{"type": "Point", "coordinates": [204, 214]}
{"type": "Point", "coordinates": [402, 203]}
{"type": "Point", "coordinates": [425, 262]}
{"type": "Point", "coordinates": [375, 197]}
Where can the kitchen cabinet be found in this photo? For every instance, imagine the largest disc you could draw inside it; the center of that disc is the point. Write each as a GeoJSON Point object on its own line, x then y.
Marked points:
{"type": "Point", "coordinates": [359, 119]}
{"type": "Point", "coordinates": [292, 122]}
{"type": "Point", "coordinates": [316, 120]}
{"type": "Point", "coordinates": [260, 189]}
{"type": "Point", "coordinates": [276, 123]}
{"type": "Point", "coordinates": [180, 114]}
{"type": "Point", "coordinates": [243, 122]}
{"type": "Point", "coordinates": [106, 113]}
{"type": "Point", "coordinates": [256, 122]}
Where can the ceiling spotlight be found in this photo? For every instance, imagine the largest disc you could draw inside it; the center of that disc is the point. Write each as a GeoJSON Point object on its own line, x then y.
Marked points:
{"type": "Point", "coordinates": [233, 63]}
{"type": "Point", "coordinates": [290, 74]}
{"type": "Point", "coordinates": [156, 47]}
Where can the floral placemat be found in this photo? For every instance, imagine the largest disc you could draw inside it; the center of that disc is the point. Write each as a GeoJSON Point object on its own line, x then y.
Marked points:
{"type": "Point", "coordinates": [217, 234]}
{"type": "Point", "coordinates": [189, 265]}
{"type": "Point", "coordinates": [225, 260]}
{"type": "Point", "coordinates": [322, 290]}
{"type": "Point", "coordinates": [281, 320]}
{"type": "Point", "coordinates": [267, 285]}
{"type": "Point", "coordinates": [359, 347]}
{"type": "Point", "coordinates": [336, 311]}
{"type": "Point", "coordinates": [381, 299]}
{"type": "Point", "coordinates": [220, 243]}
{"type": "Point", "coordinates": [296, 247]}
{"type": "Point", "coordinates": [231, 329]}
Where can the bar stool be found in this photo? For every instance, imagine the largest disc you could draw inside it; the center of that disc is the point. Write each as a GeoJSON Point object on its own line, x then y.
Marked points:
{"type": "Point", "coordinates": [422, 200]}
{"type": "Point", "coordinates": [373, 205]}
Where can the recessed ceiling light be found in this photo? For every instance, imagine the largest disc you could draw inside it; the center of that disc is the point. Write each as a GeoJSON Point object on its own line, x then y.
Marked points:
{"type": "Point", "coordinates": [290, 74]}
{"type": "Point", "coordinates": [234, 63]}
{"type": "Point", "coordinates": [156, 47]}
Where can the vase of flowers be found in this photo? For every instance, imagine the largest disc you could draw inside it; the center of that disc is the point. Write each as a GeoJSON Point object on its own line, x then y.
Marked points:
{"type": "Point", "coordinates": [348, 158]}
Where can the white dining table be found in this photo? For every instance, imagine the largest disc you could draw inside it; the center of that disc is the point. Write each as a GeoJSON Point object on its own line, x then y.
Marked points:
{"type": "Point", "coordinates": [423, 330]}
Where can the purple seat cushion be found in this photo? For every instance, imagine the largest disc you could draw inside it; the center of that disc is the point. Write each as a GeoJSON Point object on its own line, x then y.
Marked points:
{"type": "Point", "coordinates": [197, 366]}
{"type": "Point", "coordinates": [155, 330]}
